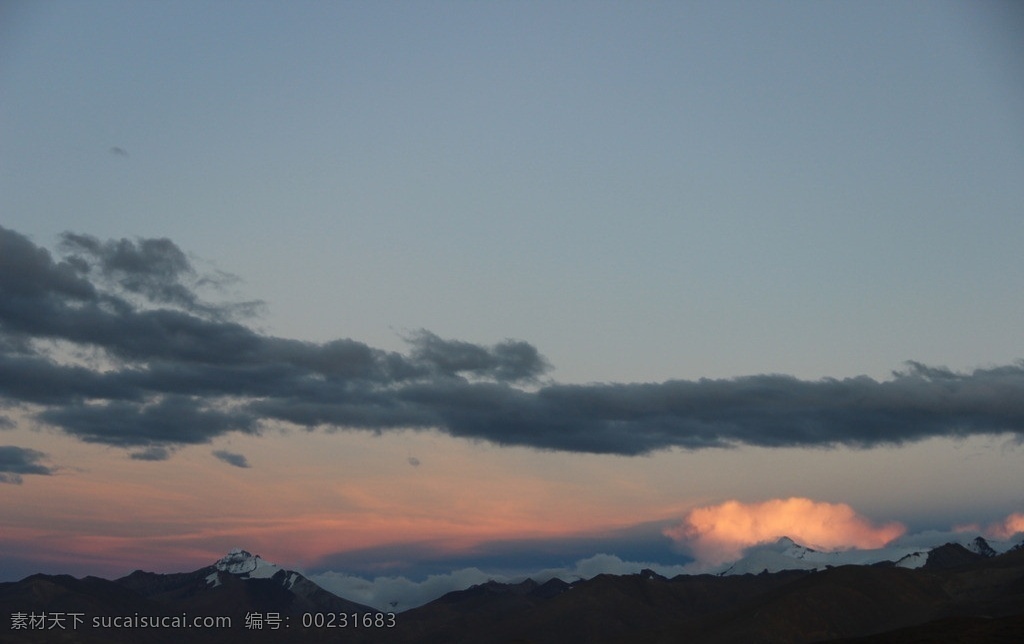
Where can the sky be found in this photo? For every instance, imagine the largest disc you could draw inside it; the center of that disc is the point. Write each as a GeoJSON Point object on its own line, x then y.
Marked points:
{"type": "Point", "coordinates": [412, 295]}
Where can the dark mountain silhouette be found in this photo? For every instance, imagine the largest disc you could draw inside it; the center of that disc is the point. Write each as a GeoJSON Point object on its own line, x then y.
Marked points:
{"type": "Point", "coordinates": [238, 585]}
{"type": "Point", "coordinates": [218, 590]}
{"type": "Point", "coordinates": [960, 595]}
{"type": "Point", "coordinates": [980, 598]}
{"type": "Point", "coordinates": [951, 555]}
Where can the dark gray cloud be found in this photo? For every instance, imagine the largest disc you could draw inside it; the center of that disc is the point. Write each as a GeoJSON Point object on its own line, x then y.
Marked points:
{"type": "Point", "coordinates": [167, 421]}
{"type": "Point", "coordinates": [231, 458]}
{"type": "Point", "coordinates": [177, 370]}
{"type": "Point", "coordinates": [509, 360]}
{"type": "Point", "coordinates": [15, 461]}
{"type": "Point", "coordinates": [155, 269]}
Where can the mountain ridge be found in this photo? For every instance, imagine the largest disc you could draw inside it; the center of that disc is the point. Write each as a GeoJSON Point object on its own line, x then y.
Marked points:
{"type": "Point", "coordinates": [242, 588]}
{"type": "Point", "coordinates": [961, 588]}
{"type": "Point", "coordinates": [836, 603]}
{"type": "Point", "coordinates": [787, 554]}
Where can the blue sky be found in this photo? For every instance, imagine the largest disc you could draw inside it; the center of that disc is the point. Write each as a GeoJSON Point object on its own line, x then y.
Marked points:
{"type": "Point", "coordinates": [641, 191]}
{"type": "Point", "coordinates": [644, 192]}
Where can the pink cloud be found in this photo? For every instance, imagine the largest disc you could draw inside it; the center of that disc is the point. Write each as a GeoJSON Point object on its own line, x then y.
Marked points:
{"type": "Point", "coordinates": [719, 533]}
{"type": "Point", "coordinates": [1008, 527]}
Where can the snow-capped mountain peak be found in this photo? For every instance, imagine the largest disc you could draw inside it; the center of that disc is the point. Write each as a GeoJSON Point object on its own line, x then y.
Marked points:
{"type": "Point", "coordinates": [791, 548]}
{"type": "Point", "coordinates": [981, 547]}
{"type": "Point", "coordinates": [240, 568]}
{"type": "Point", "coordinates": [786, 554]}
{"type": "Point", "coordinates": [245, 564]}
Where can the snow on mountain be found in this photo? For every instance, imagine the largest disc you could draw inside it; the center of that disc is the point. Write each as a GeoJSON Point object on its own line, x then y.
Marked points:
{"type": "Point", "coordinates": [983, 548]}
{"type": "Point", "coordinates": [250, 568]}
{"type": "Point", "coordinates": [786, 554]}
{"type": "Point", "coordinates": [240, 581]}
{"type": "Point", "coordinates": [913, 560]}
{"type": "Point", "coordinates": [246, 565]}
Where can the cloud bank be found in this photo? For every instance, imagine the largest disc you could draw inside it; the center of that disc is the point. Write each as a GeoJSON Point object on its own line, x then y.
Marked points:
{"type": "Point", "coordinates": [111, 343]}
{"type": "Point", "coordinates": [400, 593]}
{"type": "Point", "coordinates": [720, 533]}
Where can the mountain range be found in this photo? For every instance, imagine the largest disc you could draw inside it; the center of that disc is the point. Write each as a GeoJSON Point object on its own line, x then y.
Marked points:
{"type": "Point", "coordinates": [786, 554]}
{"type": "Point", "coordinates": [782, 592]}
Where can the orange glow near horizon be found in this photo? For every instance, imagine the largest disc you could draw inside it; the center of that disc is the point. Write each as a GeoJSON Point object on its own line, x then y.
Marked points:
{"type": "Point", "coordinates": [299, 503]}
{"type": "Point", "coordinates": [719, 533]}
{"type": "Point", "coordinates": [308, 496]}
